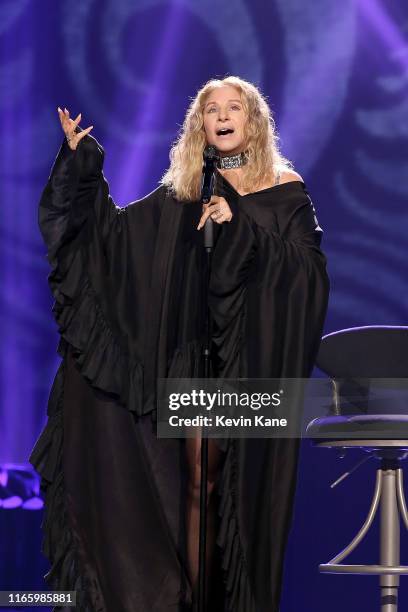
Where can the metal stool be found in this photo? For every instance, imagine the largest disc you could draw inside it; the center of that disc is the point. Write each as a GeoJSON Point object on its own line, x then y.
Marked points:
{"type": "Point", "coordinates": [369, 353]}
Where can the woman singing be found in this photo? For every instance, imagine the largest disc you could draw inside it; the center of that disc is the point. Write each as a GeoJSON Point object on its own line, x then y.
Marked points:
{"type": "Point", "coordinates": [122, 507]}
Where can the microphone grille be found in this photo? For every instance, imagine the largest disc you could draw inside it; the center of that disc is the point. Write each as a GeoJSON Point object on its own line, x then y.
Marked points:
{"type": "Point", "coordinates": [210, 152]}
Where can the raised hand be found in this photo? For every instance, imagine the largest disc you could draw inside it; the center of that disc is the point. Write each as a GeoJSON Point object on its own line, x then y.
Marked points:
{"type": "Point", "coordinates": [69, 126]}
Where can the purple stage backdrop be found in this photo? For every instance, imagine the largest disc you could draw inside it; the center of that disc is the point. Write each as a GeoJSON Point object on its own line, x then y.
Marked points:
{"type": "Point", "coordinates": [336, 76]}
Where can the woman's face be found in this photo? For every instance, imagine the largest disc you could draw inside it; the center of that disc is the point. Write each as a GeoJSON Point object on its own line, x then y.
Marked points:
{"type": "Point", "coordinates": [224, 120]}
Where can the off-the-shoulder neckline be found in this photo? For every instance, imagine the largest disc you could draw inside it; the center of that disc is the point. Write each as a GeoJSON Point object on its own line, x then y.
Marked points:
{"type": "Point", "coordinates": [272, 188]}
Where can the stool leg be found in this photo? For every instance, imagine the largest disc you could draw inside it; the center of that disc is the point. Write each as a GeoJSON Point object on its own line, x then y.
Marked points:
{"type": "Point", "coordinates": [367, 523]}
{"type": "Point", "coordinates": [389, 540]}
{"type": "Point", "coordinates": [401, 497]}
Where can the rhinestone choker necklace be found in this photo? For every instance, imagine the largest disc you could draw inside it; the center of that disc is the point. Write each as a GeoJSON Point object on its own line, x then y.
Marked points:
{"type": "Point", "coordinates": [232, 161]}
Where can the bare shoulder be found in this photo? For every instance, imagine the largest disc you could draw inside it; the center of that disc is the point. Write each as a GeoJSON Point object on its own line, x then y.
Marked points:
{"type": "Point", "coordinates": [287, 176]}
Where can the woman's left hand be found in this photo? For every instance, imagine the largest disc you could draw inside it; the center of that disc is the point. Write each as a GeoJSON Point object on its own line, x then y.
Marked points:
{"type": "Point", "coordinates": [218, 209]}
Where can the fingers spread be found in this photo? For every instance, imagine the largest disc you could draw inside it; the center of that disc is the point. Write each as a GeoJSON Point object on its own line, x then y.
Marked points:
{"type": "Point", "coordinates": [69, 125]}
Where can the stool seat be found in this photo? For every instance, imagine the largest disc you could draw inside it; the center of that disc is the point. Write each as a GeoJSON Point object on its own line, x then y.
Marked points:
{"type": "Point", "coordinates": [362, 426]}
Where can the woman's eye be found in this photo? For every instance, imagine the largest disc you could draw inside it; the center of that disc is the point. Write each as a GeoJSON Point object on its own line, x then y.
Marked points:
{"type": "Point", "coordinates": [236, 107]}
{"type": "Point", "coordinates": [210, 110]}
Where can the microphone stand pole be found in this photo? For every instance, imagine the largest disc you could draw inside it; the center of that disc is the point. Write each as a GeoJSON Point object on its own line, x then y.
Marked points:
{"type": "Point", "coordinates": [208, 245]}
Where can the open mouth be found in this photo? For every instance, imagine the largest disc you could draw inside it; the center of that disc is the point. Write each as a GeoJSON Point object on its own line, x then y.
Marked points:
{"type": "Point", "coordinates": [224, 131]}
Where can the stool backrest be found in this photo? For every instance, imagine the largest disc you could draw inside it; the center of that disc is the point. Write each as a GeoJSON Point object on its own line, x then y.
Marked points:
{"type": "Point", "coordinates": [351, 355]}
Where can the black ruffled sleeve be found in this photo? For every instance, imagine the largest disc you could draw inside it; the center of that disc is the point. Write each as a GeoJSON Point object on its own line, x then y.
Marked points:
{"type": "Point", "coordinates": [69, 198]}
{"type": "Point", "coordinates": [87, 239]}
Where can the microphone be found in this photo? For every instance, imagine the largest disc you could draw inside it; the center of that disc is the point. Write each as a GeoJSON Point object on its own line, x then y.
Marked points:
{"type": "Point", "coordinates": [210, 156]}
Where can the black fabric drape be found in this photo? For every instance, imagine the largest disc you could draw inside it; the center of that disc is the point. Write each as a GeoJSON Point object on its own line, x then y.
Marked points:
{"type": "Point", "coordinates": [268, 297]}
{"type": "Point", "coordinates": [129, 289]}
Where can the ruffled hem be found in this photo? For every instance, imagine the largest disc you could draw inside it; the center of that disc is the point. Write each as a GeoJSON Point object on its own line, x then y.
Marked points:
{"type": "Point", "coordinates": [237, 583]}
{"type": "Point", "coordinates": [100, 357]}
{"type": "Point", "coordinates": [187, 361]}
{"type": "Point", "coordinates": [58, 543]}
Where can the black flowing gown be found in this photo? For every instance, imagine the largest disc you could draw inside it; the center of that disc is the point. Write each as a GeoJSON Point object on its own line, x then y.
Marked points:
{"type": "Point", "coordinates": [129, 289]}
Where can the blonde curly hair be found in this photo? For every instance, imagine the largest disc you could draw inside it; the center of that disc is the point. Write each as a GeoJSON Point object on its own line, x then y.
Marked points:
{"type": "Point", "coordinates": [183, 177]}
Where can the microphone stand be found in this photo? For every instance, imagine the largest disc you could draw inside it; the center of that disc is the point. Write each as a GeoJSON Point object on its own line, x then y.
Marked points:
{"type": "Point", "coordinates": [204, 462]}
{"type": "Point", "coordinates": [206, 193]}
